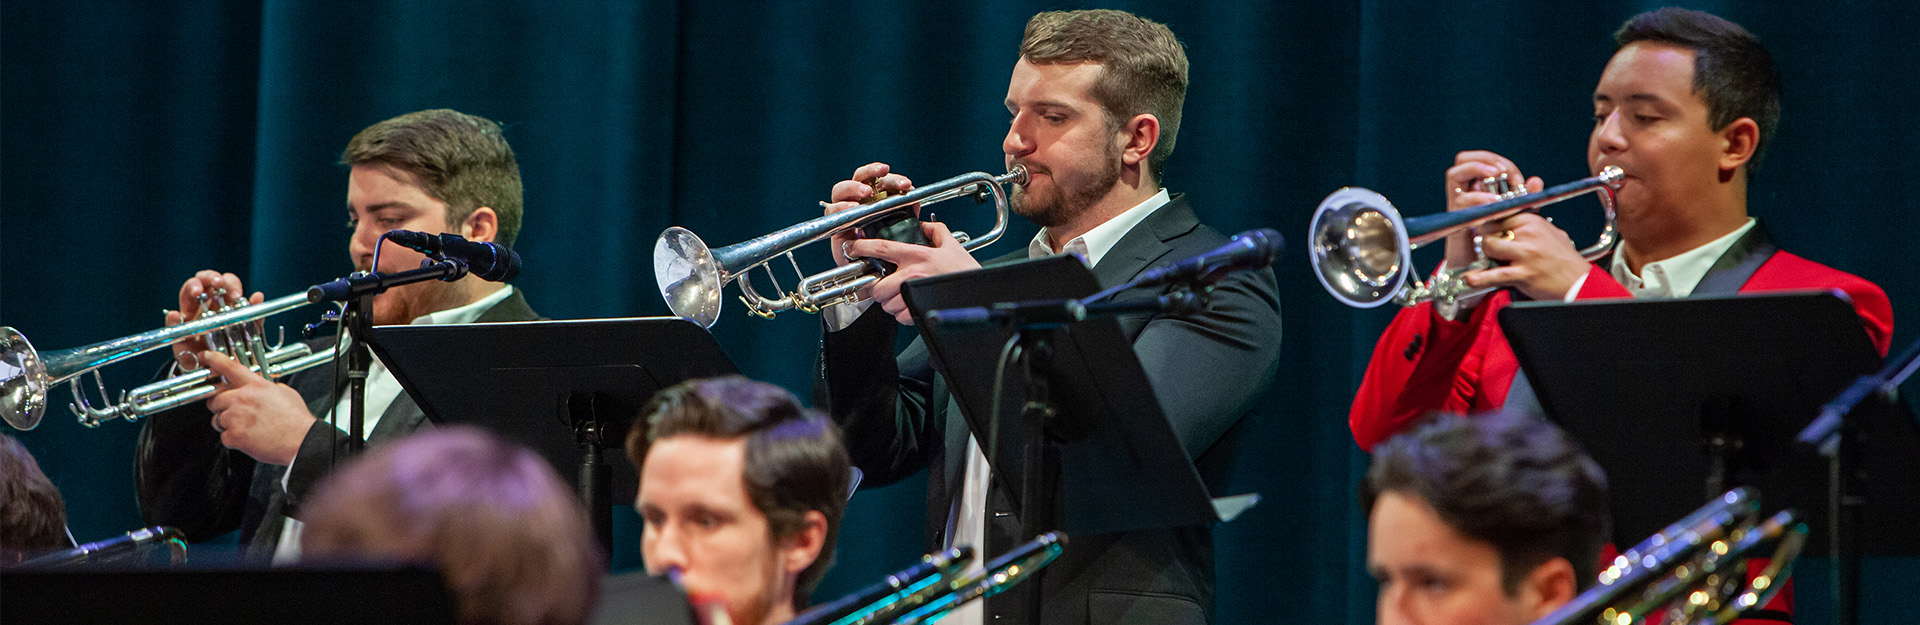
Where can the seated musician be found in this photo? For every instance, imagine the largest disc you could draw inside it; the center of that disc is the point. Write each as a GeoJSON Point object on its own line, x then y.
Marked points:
{"type": "Point", "coordinates": [508, 535]}
{"type": "Point", "coordinates": [1492, 519]}
{"type": "Point", "coordinates": [741, 492]}
{"type": "Point", "coordinates": [246, 457]}
{"type": "Point", "coordinates": [33, 516]}
{"type": "Point", "coordinates": [1686, 108]}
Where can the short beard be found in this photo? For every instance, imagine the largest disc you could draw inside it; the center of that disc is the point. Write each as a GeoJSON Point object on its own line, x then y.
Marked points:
{"type": "Point", "coordinates": [1062, 210]}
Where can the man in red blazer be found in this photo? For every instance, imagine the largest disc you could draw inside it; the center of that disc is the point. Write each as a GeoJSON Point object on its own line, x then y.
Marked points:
{"type": "Point", "coordinates": [1684, 107]}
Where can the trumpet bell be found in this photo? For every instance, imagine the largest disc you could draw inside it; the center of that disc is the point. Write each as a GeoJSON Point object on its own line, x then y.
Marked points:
{"type": "Point", "coordinates": [689, 277]}
{"type": "Point", "coordinates": [23, 381]}
{"type": "Point", "coordinates": [1359, 247]}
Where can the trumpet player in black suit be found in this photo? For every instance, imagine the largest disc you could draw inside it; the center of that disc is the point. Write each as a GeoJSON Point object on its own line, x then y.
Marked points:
{"type": "Point", "coordinates": [245, 457]}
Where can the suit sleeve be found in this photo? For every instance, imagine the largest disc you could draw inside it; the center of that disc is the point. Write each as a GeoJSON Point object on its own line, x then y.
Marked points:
{"type": "Point", "coordinates": [1424, 364]}
{"type": "Point", "coordinates": [884, 405]}
{"type": "Point", "coordinates": [1209, 369]}
{"type": "Point", "coordinates": [186, 479]}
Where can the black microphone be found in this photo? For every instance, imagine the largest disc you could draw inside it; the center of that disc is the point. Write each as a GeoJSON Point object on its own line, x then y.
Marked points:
{"type": "Point", "coordinates": [490, 261]}
{"type": "Point", "coordinates": [1252, 249]}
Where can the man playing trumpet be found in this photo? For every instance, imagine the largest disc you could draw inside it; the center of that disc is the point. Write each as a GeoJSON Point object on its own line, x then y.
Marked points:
{"type": "Point", "coordinates": [432, 171]}
{"type": "Point", "coordinates": [1095, 102]}
{"type": "Point", "coordinates": [1686, 107]}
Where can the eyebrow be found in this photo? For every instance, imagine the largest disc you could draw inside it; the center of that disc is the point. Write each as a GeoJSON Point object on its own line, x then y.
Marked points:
{"type": "Point", "coordinates": [1635, 97]}
{"type": "Point", "coordinates": [382, 206]}
{"type": "Point", "coordinates": [1047, 104]}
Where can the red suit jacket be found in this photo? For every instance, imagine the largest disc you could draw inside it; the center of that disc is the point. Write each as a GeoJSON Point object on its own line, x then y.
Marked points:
{"type": "Point", "coordinates": [1424, 363]}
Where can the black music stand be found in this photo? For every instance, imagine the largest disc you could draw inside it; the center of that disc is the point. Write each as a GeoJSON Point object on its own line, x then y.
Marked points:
{"type": "Point", "coordinates": [305, 594]}
{"type": "Point", "coordinates": [1670, 394]}
{"type": "Point", "coordinates": [641, 599]}
{"type": "Point", "coordinates": [568, 389]}
{"type": "Point", "coordinates": [1113, 441]}
{"type": "Point", "coordinates": [1083, 434]}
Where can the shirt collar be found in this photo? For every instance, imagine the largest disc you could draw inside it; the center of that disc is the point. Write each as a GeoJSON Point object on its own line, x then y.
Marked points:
{"type": "Point", "coordinates": [1095, 244]}
{"type": "Point", "coordinates": [1677, 276]}
{"type": "Point", "coordinates": [467, 313]}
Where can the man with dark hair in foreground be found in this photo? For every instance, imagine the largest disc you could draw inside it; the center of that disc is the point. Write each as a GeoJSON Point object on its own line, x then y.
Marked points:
{"type": "Point", "coordinates": [1497, 519]}
{"type": "Point", "coordinates": [741, 493]}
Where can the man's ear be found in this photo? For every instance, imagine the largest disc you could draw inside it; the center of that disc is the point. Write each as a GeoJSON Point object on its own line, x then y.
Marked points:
{"type": "Point", "coordinates": [1738, 143]}
{"type": "Point", "coordinates": [799, 551]}
{"type": "Point", "coordinates": [481, 225]}
{"type": "Point", "coordinates": [1548, 587]}
{"type": "Point", "coordinates": [1139, 136]}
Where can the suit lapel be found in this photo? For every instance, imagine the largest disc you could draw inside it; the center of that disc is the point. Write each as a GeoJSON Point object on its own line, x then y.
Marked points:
{"type": "Point", "coordinates": [1732, 270]}
{"type": "Point", "coordinates": [1147, 242]}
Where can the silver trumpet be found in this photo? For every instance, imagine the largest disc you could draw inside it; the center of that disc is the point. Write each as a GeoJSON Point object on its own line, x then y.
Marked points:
{"type": "Point", "coordinates": [26, 375]}
{"type": "Point", "coordinates": [1363, 251]}
{"type": "Point", "coordinates": [691, 275]}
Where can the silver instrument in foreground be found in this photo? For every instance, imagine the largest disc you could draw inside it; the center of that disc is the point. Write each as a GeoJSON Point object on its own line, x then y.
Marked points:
{"type": "Point", "coordinates": [1694, 571]}
{"type": "Point", "coordinates": [936, 586]}
{"type": "Point", "coordinates": [691, 275]}
{"type": "Point", "coordinates": [26, 375]}
{"type": "Point", "coordinates": [1363, 251]}
{"type": "Point", "coordinates": [125, 548]}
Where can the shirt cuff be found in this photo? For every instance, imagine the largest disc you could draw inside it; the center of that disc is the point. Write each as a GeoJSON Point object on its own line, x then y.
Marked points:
{"type": "Point", "coordinates": [839, 316]}
{"type": "Point", "coordinates": [1573, 293]}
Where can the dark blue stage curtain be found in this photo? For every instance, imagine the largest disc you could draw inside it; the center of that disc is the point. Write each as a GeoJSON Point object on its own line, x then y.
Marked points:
{"type": "Point", "coordinates": [144, 141]}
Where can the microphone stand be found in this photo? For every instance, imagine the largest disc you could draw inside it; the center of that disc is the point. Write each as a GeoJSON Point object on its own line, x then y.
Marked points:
{"type": "Point", "coordinates": [1033, 324]}
{"type": "Point", "coordinates": [1836, 438]}
{"type": "Point", "coordinates": [357, 292]}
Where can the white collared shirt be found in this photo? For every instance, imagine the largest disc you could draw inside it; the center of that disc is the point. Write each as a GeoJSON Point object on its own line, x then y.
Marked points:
{"type": "Point", "coordinates": [1095, 244]}
{"type": "Point", "coordinates": [382, 390]}
{"type": "Point", "coordinates": [1673, 277]}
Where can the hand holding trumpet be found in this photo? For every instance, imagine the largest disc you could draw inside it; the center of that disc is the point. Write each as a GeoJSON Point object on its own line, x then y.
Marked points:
{"type": "Point", "coordinates": [204, 293]}
{"type": "Point", "coordinates": [254, 415]}
{"type": "Point", "coordinates": [946, 255]}
{"type": "Point", "coordinates": [1538, 259]}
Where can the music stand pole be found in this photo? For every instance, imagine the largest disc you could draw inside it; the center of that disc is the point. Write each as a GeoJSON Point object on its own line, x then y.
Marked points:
{"type": "Point", "coordinates": [596, 478]}
{"type": "Point", "coordinates": [1043, 461]}
{"type": "Point", "coordinates": [1833, 433]}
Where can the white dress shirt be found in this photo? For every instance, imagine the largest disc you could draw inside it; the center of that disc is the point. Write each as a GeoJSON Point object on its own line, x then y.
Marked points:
{"type": "Point", "coordinates": [382, 390]}
{"type": "Point", "coordinates": [1669, 278]}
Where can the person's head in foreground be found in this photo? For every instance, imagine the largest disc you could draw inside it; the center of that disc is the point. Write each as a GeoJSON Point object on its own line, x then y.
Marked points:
{"type": "Point", "coordinates": [1488, 519]}
{"type": "Point", "coordinates": [33, 517]}
{"type": "Point", "coordinates": [741, 492]}
{"type": "Point", "coordinates": [509, 536]}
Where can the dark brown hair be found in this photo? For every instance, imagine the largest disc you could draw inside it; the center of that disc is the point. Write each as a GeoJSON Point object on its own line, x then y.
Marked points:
{"type": "Point", "coordinates": [796, 460]}
{"type": "Point", "coordinates": [1732, 72]}
{"type": "Point", "coordinates": [33, 516]}
{"type": "Point", "coordinates": [1513, 481]}
{"type": "Point", "coordinates": [457, 158]}
{"type": "Point", "coordinates": [508, 535]}
{"type": "Point", "coordinates": [1145, 66]}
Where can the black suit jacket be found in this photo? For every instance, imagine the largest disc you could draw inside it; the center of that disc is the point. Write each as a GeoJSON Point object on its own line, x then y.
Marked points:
{"type": "Point", "coordinates": [186, 479]}
{"type": "Point", "coordinates": [1207, 369]}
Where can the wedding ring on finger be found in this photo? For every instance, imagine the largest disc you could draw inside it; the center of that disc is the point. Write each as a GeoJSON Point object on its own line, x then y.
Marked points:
{"type": "Point", "coordinates": [217, 427]}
